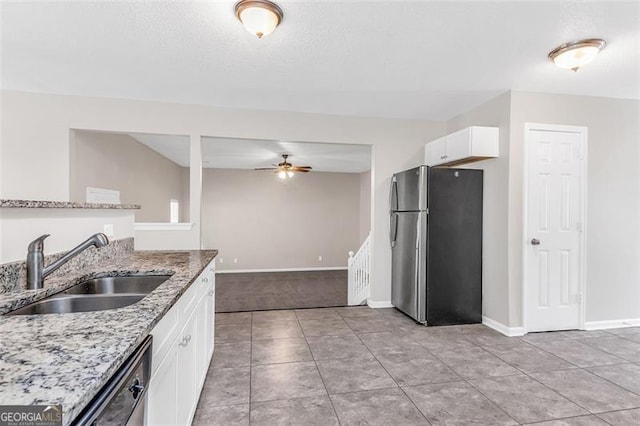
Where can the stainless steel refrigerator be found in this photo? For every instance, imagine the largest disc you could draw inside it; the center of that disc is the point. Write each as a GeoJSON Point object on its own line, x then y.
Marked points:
{"type": "Point", "coordinates": [436, 244]}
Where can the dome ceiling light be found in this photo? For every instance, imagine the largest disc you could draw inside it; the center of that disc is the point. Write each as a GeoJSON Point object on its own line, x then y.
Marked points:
{"type": "Point", "coordinates": [259, 17]}
{"type": "Point", "coordinates": [576, 54]}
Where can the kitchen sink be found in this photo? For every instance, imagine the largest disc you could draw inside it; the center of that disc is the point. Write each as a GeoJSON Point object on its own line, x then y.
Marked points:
{"type": "Point", "coordinates": [98, 294]}
{"type": "Point", "coordinates": [137, 284]}
{"type": "Point", "coordinates": [69, 304]}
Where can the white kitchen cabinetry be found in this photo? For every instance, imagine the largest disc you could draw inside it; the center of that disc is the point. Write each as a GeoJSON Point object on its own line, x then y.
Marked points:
{"type": "Point", "coordinates": [211, 306]}
{"type": "Point", "coordinates": [182, 349]}
{"type": "Point", "coordinates": [468, 145]}
{"type": "Point", "coordinates": [435, 150]}
{"type": "Point", "coordinates": [206, 323]}
{"type": "Point", "coordinates": [187, 375]}
{"type": "Point", "coordinates": [163, 392]}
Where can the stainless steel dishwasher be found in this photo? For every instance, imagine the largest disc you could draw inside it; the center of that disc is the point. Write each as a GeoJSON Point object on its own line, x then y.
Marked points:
{"type": "Point", "coordinates": [122, 400]}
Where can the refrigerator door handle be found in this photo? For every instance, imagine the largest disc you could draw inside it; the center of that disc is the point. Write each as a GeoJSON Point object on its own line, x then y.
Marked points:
{"type": "Point", "coordinates": [416, 272]}
{"type": "Point", "coordinates": [393, 195]}
{"type": "Point", "coordinates": [393, 228]}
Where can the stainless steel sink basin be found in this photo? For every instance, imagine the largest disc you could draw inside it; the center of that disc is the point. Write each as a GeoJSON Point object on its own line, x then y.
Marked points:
{"type": "Point", "coordinates": [97, 294]}
{"type": "Point", "coordinates": [69, 304]}
{"type": "Point", "coordinates": [137, 284]}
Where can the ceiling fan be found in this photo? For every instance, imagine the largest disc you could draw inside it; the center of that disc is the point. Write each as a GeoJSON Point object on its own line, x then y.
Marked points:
{"type": "Point", "coordinates": [285, 169]}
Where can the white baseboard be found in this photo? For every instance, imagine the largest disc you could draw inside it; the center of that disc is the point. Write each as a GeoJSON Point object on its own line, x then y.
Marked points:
{"type": "Point", "coordinates": [379, 304]}
{"type": "Point", "coordinates": [501, 328]}
{"type": "Point", "coordinates": [238, 271]}
{"type": "Point", "coordinates": [605, 325]}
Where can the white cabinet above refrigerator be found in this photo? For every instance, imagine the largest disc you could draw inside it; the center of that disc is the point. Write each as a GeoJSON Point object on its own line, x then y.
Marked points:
{"type": "Point", "coordinates": [468, 145]}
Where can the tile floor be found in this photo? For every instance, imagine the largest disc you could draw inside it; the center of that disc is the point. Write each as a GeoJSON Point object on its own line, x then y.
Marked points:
{"type": "Point", "coordinates": [360, 366]}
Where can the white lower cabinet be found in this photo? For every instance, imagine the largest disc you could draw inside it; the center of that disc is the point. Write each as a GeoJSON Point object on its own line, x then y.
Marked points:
{"type": "Point", "coordinates": [211, 328]}
{"type": "Point", "coordinates": [187, 374]}
{"type": "Point", "coordinates": [163, 392]}
{"type": "Point", "coordinates": [178, 376]}
{"type": "Point", "coordinates": [202, 360]}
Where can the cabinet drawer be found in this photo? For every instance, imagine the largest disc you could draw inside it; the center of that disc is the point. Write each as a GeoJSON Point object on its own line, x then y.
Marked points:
{"type": "Point", "coordinates": [205, 283]}
{"type": "Point", "coordinates": [164, 334]}
{"type": "Point", "coordinates": [188, 301]}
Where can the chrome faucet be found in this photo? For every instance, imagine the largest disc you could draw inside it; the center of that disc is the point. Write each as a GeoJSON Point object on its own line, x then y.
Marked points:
{"type": "Point", "coordinates": [37, 272]}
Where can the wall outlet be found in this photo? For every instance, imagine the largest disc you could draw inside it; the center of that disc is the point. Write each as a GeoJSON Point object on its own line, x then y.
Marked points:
{"type": "Point", "coordinates": [319, 258]}
{"type": "Point", "coordinates": [220, 260]}
{"type": "Point", "coordinates": [235, 260]}
{"type": "Point", "coordinates": [108, 230]}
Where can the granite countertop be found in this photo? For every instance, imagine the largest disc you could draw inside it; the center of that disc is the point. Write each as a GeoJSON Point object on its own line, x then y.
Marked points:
{"type": "Point", "coordinates": [43, 204]}
{"type": "Point", "coordinates": [66, 358]}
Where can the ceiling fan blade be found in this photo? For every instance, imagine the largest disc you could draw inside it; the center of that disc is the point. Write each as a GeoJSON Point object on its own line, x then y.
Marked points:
{"type": "Point", "coordinates": [301, 168]}
{"type": "Point", "coordinates": [266, 168]}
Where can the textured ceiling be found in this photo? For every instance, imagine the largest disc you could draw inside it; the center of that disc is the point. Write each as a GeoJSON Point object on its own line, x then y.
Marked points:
{"type": "Point", "coordinates": [251, 153]}
{"type": "Point", "coordinates": [425, 60]}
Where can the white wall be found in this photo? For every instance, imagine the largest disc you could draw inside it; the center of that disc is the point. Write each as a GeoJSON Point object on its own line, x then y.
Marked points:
{"type": "Point", "coordinates": [67, 227]}
{"type": "Point", "coordinates": [166, 237]}
{"type": "Point", "coordinates": [267, 223]}
{"type": "Point", "coordinates": [613, 212]}
{"type": "Point", "coordinates": [119, 162]}
{"type": "Point", "coordinates": [365, 206]}
{"type": "Point", "coordinates": [613, 193]}
{"type": "Point", "coordinates": [35, 131]}
{"type": "Point", "coordinates": [495, 273]}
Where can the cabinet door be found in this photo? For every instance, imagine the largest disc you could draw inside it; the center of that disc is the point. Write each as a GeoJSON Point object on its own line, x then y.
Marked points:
{"type": "Point", "coordinates": [211, 311]}
{"type": "Point", "coordinates": [211, 320]}
{"type": "Point", "coordinates": [458, 145]}
{"type": "Point", "coordinates": [435, 152]}
{"type": "Point", "coordinates": [162, 397]}
{"type": "Point", "coordinates": [202, 363]}
{"type": "Point", "coordinates": [186, 383]}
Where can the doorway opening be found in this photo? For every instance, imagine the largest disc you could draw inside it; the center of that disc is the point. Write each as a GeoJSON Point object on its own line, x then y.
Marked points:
{"type": "Point", "coordinates": [132, 168]}
{"type": "Point", "coordinates": [284, 231]}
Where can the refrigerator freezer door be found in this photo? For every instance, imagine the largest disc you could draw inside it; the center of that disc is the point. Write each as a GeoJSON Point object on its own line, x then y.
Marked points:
{"type": "Point", "coordinates": [408, 265]}
{"type": "Point", "coordinates": [408, 190]}
{"type": "Point", "coordinates": [454, 283]}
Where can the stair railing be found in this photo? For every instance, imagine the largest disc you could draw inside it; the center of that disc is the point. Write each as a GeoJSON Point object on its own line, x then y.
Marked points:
{"type": "Point", "coordinates": [359, 274]}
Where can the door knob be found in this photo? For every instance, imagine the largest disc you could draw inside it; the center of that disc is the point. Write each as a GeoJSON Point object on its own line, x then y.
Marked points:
{"type": "Point", "coordinates": [535, 242]}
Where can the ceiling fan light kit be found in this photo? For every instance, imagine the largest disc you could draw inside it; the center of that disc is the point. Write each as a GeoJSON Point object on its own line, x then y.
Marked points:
{"type": "Point", "coordinates": [285, 170]}
{"type": "Point", "coordinates": [577, 54]}
{"type": "Point", "coordinates": [259, 17]}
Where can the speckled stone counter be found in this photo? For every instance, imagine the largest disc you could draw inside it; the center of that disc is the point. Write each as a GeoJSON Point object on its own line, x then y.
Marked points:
{"type": "Point", "coordinates": [43, 204]}
{"type": "Point", "coordinates": [66, 358]}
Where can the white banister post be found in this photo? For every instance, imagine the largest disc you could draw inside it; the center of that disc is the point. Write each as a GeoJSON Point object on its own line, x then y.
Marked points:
{"type": "Point", "coordinates": [350, 283]}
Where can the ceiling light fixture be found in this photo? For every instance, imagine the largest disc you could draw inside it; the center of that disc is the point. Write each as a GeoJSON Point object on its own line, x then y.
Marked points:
{"type": "Point", "coordinates": [259, 17]}
{"type": "Point", "coordinates": [285, 170]}
{"type": "Point", "coordinates": [576, 54]}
